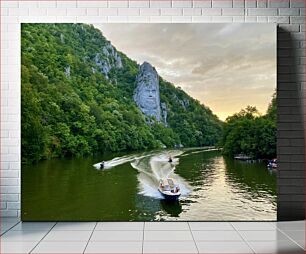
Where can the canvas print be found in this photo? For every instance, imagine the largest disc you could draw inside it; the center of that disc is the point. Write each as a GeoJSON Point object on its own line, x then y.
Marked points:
{"type": "Point", "coordinates": [148, 122]}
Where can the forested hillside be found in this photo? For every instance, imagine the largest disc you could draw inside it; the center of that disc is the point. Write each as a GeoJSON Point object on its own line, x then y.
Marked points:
{"type": "Point", "coordinates": [250, 133]}
{"type": "Point", "coordinates": [77, 99]}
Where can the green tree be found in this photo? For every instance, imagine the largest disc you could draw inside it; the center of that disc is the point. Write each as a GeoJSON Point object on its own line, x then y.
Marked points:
{"type": "Point", "coordinates": [83, 111]}
{"type": "Point", "coordinates": [249, 133]}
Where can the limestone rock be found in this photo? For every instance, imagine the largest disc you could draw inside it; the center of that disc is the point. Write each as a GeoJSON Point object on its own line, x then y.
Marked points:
{"type": "Point", "coordinates": [164, 112]}
{"type": "Point", "coordinates": [62, 39]}
{"type": "Point", "coordinates": [118, 61]}
{"type": "Point", "coordinates": [184, 103]}
{"type": "Point", "coordinates": [112, 55]}
{"type": "Point", "coordinates": [107, 60]}
{"type": "Point", "coordinates": [146, 94]}
{"type": "Point", "coordinates": [67, 71]}
{"type": "Point", "coordinates": [102, 64]}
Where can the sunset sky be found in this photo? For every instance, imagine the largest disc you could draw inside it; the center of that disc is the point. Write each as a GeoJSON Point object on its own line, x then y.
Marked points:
{"type": "Point", "coordinates": [224, 66]}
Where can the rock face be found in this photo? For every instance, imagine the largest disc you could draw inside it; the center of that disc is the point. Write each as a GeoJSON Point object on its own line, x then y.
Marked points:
{"type": "Point", "coordinates": [62, 39]}
{"type": "Point", "coordinates": [103, 65]}
{"type": "Point", "coordinates": [164, 113]}
{"type": "Point", "coordinates": [108, 60]}
{"type": "Point", "coordinates": [146, 94]}
{"type": "Point", "coordinates": [67, 71]}
{"type": "Point", "coordinates": [184, 103]}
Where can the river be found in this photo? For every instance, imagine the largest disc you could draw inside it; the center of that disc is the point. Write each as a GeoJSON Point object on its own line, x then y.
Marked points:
{"type": "Point", "coordinates": [213, 187]}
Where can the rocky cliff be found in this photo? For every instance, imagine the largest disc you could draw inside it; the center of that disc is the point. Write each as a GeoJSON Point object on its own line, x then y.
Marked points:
{"type": "Point", "coordinates": [80, 96]}
{"type": "Point", "coordinates": [107, 60]}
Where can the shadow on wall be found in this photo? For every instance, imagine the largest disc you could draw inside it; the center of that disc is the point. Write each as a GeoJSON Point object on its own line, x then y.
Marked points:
{"type": "Point", "coordinates": [290, 128]}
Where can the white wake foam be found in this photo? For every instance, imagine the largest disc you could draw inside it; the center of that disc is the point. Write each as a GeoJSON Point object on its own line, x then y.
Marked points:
{"type": "Point", "coordinates": [151, 168]}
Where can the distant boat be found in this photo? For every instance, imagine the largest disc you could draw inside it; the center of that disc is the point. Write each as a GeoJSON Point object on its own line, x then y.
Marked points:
{"type": "Point", "coordinates": [242, 157]}
{"type": "Point", "coordinates": [169, 189]}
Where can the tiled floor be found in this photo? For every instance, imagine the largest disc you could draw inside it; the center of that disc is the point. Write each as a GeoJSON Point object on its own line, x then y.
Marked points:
{"type": "Point", "coordinates": [152, 237]}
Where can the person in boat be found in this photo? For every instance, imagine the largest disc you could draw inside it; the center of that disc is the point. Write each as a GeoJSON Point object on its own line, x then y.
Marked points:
{"type": "Point", "coordinates": [270, 164]}
{"type": "Point", "coordinates": [102, 165]}
{"type": "Point", "coordinates": [170, 159]}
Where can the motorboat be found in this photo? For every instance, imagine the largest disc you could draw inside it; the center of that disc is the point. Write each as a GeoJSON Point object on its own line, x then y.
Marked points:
{"type": "Point", "coordinates": [169, 189]}
{"type": "Point", "coordinates": [242, 157]}
{"type": "Point", "coordinates": [272, 164]}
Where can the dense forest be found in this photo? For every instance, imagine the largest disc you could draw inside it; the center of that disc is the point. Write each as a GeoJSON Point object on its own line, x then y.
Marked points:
{"type": "Point", "coordinates": [71, 108]}
{"type": "Point", "coordinates": [250, 133]}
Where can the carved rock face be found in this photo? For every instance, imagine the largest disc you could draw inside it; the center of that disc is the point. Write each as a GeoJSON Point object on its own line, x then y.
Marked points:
{"type": "Point", "coordinates": [146, 94]}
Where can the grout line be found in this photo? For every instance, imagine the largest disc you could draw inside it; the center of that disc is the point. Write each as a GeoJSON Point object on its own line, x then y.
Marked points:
{"type": "Point", "coordinates": [10, 228]}
{"type": "Point", "coordinates": [90, 236]}
{"type": "Point", "coordinates": [273, 224]}
{"type": "Point", "coordinates": [232, 226]}
{"type": "Point", "coordinates": [193, 238]}
{"type": "Point", "coordinates": [143, 232]}
{"type": "Point", "coordinates": [43, 237]}
{"type": "Point", "coordinates": [243, 238]}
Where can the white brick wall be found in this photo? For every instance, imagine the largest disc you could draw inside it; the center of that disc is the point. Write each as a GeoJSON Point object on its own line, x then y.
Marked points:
{"type": "Point", "coordinates": [289, 13]}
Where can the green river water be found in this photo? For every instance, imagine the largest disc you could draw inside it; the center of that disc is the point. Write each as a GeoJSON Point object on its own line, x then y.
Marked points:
{"type": "Point", "coordinates": [214, 188]}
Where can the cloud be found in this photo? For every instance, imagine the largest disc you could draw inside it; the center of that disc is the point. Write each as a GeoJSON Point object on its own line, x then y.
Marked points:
{"type": "Point", "coordinates": [225, 66]}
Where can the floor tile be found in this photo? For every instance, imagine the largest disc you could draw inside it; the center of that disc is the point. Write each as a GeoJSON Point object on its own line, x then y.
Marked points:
{"type": "Point", "coordinates": [291, 225]}
{"type": "Point", "coordinates": [297, 235]}
{"type": "Point", "coordinates": [3, 230]}
{"type": "Point", "coordinates": [17, 247]}
{"type": "Point", "coordinates": [33, 226]}
{"type": "Point", "coordinates": [22, 236]}
{"type": "Point", "coordinates": [63, 226]}
{"type": "Point", "coordinates": [253, 226]}
{"type": "Point", "coordinates": [276, 247]}
{"type": "Point", "coordinates": [168, 236]}
{"type": "Point", "coordinates": [120, 226]}
{"type": "Point", "coordinates": [223, 247]}
{"type": "Point", "coordinates": [68, 236]}
{"type": "Point", "coordinates": [6, 225]}
{"type": "Point", "coordinates": [216, 236]}
{"type": "Point", "coordinates": [258, 235]}
{"type": "Point", "coordinates": [222, 226]}
{"type": "Point", "coordinates": [99, 236]}
{"type": "Point", "coordinates": [301, 243]}
{"type": "Point", "coordinates": [60, 247]}
{"type": "Point", "coordinates": [166, 226]}
{"type": "Point", "coordinates": [169, 247]}
{"type": "Point", "coordinates": [114, 247]}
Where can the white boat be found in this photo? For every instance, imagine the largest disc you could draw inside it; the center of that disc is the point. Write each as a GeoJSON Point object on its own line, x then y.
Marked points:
{"type": "Point", "coordinates": [169, 189]}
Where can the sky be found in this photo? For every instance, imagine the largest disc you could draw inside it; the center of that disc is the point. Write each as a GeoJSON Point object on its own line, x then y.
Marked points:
{"type": "Point", "coordinates": [224, 66]}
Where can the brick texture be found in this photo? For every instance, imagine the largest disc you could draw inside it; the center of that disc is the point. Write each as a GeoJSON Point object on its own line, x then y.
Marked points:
{"type": "Point", "coordinates": [289, 14]}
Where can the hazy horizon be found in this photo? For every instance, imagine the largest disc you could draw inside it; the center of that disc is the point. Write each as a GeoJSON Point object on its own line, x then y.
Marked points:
{"type": "Point", "coordinates": [224, 66]}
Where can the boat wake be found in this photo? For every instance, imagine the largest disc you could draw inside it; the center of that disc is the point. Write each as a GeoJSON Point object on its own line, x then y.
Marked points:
{"type": "Point", "coordinates": [151, 168]}
{"type": "Point", "coordinates": [119, 161]}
